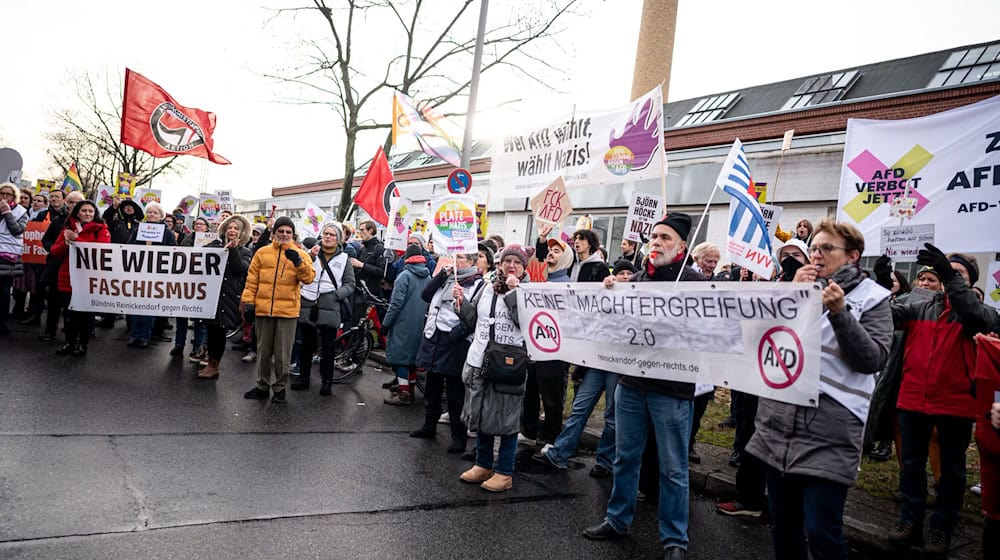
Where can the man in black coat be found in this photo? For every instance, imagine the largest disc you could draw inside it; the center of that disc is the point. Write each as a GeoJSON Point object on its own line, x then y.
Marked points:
{"type": "Point", "coordinates": [665, 406]}
{"type": "Point", "coordinates": [122, 218]}
{"type": "Point", "coordinates": [370, 265]}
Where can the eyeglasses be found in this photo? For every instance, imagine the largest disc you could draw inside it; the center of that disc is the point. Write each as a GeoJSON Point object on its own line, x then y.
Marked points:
{"type": "Point", "coordinates": [5, 193]}
{"type": "Point", "coordinates": [825, 248]}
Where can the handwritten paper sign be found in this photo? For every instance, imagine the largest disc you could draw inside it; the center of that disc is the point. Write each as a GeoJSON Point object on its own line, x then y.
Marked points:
{"type": "Point", "coordinates": [902, 243]}
{"type": "Point", "coordinates": [644, 210]}
{"type": "Point", "coordinates": [551, 206]}
{"type": "Point", "coordinates": [150, 232]}
{"type": "Point", "coordinates": [225, 200]}
{"type": "Point", "coordinates": [202, 238]}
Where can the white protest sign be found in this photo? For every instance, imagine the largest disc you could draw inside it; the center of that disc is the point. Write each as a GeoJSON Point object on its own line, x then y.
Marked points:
{"type": "Point", "coordinates": [202, 238]}
{"type": "Point", "coordinates": [146, 280]}
{"type": "Point", "coordinates": [947, 161]}
{"type": "Point", "coordinates": [150, 232]}
{"type": "Point", "coordinates": [758, 338]}
{"type": "Point", "coordinates": [453, 224]}
{"type": "Point", "coordinates": [312, 220]}
{"type": "Point", "coordinates": [551, 205]}
{"type": "Point", "coordinates": [398, 229]}
{"type": "Point", "coordinates": [144, 196]}
{"type": "Point", "coordinates": [208, 207]}
{"type": "Point", "coordinates": [644, 210]}
{"type": "Point", "coordinates": [993, 285]}
{"type": "Point", "coordinates": [585, 149]}
{"type": "Point", "coordinates": [104, 197]}
{"type": "Point", "coordinates": [902, 243]}
{"type": "Point", "coordinates": [772, 217]}
{"type": "Point", "coordinates": [225, 200]}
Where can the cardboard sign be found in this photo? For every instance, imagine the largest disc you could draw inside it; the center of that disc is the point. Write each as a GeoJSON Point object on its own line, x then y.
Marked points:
{"type": "Point", "coordinates": [150, 232]}
{"type": "Point", "coordinates": [772, 217]}
{"type": "Point", "coordinates": [209, 207]}
{"type": "Point", "coordinates": [202, 238]}
{"type": "Point", "coordinates": [552, 206]}
{"type": "Point", "coordinates": [902, 243]}
{"type": "Point", "coordinates": [644, 210]}
{"type": "Point", "coordinates": [226, 200]}
{"type": "Point", "coordinates": [32, 252]}
{"type": "Point", "coordinates": [397, 231]}
{"type": "Point", "coordinates": [125, 186]}
{"type": "Point", "coordinates": [453, 224]}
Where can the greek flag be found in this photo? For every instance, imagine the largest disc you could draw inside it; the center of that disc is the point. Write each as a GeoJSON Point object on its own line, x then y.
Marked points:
{"type": "Point", "coordinates": [749, 244]}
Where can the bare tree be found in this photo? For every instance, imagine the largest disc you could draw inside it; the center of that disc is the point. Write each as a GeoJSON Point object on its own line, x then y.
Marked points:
{"type": "Point", "coordinates": [88, 134]}
{"type": "Point", "coordinates": [433, 60]}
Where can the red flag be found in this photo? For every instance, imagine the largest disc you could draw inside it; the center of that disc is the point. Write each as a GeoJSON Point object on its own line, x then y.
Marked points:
{"type": "Point", "coordinates": [377, 188]}
{"type": "Point", "coordinates": [156, 124]}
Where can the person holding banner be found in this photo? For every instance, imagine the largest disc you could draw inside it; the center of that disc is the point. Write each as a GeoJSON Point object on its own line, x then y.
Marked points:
{"type": "Point", "coordinates": [811, 455]}
{"type": "Point", "coordinates": [272, 299]}
{"type": "Point", "coordinates": [665, 407]}
{"type": "Point", "coordinates": [199, 352]}
{"type": "Point", "coordinates": [322, 300]}
{"type": "Point", "coordinates": [234, 233]}
{"type": "Point", "coordinates": [142, 329]}
{"type": "Point", "coordinates": [937, 391]}
{"type": "Point", "coordinates": [83, 225]}
{"type": "Point", "coordinates": [13, 221]}
{"type": "Point", "coordinates": [495, 371]}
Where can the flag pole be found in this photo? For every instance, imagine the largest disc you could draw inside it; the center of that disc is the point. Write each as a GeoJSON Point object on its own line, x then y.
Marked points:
{"type": "Point", "coordinates": [701, 220]}
{"type": "Point", "coordinates": [663, 168]}
{"type": "Point", "coordinates": [477, 60]}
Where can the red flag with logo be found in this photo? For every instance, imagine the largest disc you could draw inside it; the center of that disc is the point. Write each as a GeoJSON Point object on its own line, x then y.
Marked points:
{"type": "Point", "coordinates": [377, 188]}
{"type": "Point", "coordinates": [156, 124]}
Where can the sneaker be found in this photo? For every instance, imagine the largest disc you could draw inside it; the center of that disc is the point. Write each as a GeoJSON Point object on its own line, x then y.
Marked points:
{"type": "Point", "coordinates": [390, 384]}
{"type": "Point", "coordinates": [316, 359]}
{"type": "Point", "coordinates": [278, 397]}
{"type": "Point", "coordinates": [525, 440]}
{"type": "Point", "coordinates": [905, 533]}
{"type": "Point", "coordinates": [293, 369]}
{"type": "Point", "coordinates": [736, 509]}
{"type": "Point", "coordinates": [882, 452]}
{"type": "Point", "coordinates": [257, 393]}
{"type": "Point", "coordinates": [938, 542]}
{"type": "Point", "coordinates": [445, 419]}
{"type": "Point", "coordinates": [543, 458]}
{"type": "Point", "coordinates": [176, 350]}
{"type": "Point", "coordinates": [735, 459]}
{"type": "Point", "coordinates": [977, 489]}
{"type": "Point", "coordinates": [198, 355]}
{"type": "Point", "coordinates": [250, 357]}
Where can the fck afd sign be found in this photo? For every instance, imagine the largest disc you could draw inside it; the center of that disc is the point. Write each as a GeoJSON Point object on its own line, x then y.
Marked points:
{"type": "Point", "coordinates": [552, 206]}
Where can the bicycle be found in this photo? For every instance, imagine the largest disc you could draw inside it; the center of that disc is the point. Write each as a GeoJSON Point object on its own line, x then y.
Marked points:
{"type": "Point", "coordinates": [356, 343]}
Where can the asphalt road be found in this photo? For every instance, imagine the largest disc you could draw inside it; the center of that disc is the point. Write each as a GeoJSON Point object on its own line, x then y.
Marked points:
{"type": "Point", "coordinates": [124, 454]}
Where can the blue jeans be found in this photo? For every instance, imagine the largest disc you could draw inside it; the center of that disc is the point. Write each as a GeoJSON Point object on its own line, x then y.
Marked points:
{"type": "Point", "coordinates": [142, 327]}
{"type": "Point", "coordinates": [594, 383]}
{"type": "Point", "coordinates": [508, 453]}
{"type": "Point", "coordinates": [670, 418]}
{"type": "Point", "coordinates": [806, 506]}
{"type": "Point", "coordinates": [954, 435]}
{"type": "Point", "coordinates": [200, 333]}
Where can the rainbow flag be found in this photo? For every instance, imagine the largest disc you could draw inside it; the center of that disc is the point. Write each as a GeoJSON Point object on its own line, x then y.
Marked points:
{"type": "Point", "coordinates": [72, 181]}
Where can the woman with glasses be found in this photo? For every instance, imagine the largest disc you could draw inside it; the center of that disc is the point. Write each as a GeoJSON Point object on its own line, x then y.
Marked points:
{"type": "Point", "coordinates": [811, 455]}
{"type": "Point", "coordinates": [13, 220]}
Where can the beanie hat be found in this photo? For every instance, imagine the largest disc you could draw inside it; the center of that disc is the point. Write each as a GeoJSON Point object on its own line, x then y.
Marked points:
{"type": "Point", "coordinates": [413, 251]}
{"type": "Point", "coordinates": [929, 269]}
{"type": "Point", "coordinates": [259, 228]}
{"type": "Point", "coordinates": [624, 264]}
{"type": "Point", "coordinates": [681, 223]}
{"type": "Point", "coordinates": [515, 250]}
{"type": "Point", "coordinates": [970, 267]}
{"type": "Point", "coordinates": [283, 221]}
{"type": "Point", "coordinates": [419, 237]}
{"type": "Point", "coordinates": [485, 248]}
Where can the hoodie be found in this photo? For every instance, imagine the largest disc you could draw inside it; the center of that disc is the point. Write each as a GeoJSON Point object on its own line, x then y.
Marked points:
{"type": "Point", "coordinates": [560, 271]}
{"type": "Point", "coordinates": [120, 224]}
{"type": "Point", "coordinates": [593, 269]}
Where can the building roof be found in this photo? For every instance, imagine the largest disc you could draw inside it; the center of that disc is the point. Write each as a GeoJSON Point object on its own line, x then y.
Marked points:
{"type": "Point", "coordinates": [936, 70]}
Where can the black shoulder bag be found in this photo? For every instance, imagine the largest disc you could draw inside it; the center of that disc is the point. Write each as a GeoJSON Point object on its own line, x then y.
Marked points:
{"type": "Point", "coordinates": [504, 364]}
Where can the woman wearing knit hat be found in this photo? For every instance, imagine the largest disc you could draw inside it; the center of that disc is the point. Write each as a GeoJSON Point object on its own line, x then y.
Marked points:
{"type": "Point", "coordinates": [272, 300]}
{"type": "Point", "coordinates": [404, 323]}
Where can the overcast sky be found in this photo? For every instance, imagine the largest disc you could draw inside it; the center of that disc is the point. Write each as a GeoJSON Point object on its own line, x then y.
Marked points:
{"type": "Point", "coordinates": [211, 54]}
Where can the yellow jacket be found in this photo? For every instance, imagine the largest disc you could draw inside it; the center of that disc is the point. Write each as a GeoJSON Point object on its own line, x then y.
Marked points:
{"type": "Point", "coordinates": [274, 284]}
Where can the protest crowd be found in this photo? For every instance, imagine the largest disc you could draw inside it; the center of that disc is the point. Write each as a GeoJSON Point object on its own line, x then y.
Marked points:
{"type": "Point", "coordinates": [896, 376]}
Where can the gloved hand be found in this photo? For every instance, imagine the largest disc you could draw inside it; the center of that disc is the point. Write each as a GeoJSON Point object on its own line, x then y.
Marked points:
{"type": "Point", "coordinates": [883, 272]}
{"type": "Point", "coordinates": [293, 256]}
{"type": "Point", "coordinates": [250, 313]}
{"type": "Point", "coordinates": [933, 257]}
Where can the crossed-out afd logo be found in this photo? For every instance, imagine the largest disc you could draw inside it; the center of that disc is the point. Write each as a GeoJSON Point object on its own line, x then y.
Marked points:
{"type": "Point", "coordinates": [880, 183]}
{"type": "Point", "coordinates": [780, 357]}
{"type": "Point", "coordinates": [544, 332]}
{"type": "Point", "coordinates": [173, 130]}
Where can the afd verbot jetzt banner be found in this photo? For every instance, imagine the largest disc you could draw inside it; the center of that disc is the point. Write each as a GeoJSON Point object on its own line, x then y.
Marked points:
{"type": "Point", "coordinates": [758, 338]}
{"type": "Point", "coordinates": [950, 161]}
{"type": "Point", "coordinates": [584, 149]}
{"type": "Point", "coordinates": [146, 279]}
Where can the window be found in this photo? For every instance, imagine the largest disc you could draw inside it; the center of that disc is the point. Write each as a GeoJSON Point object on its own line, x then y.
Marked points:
{"type": "Point", "coordinates": [967, 66]}
{"type": "Point", "coordinates": [709, 109]}
{"type": "Point", "coordinates": [821, 89]}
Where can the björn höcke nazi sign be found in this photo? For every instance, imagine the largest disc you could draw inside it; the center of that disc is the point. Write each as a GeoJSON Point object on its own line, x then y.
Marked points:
{"type": "Point", "coordinates": [759, 338]}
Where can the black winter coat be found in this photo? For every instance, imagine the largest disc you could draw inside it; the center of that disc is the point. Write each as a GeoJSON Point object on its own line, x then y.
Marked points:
{"type": "Point", "coordinates": [444, 352]}
{"type": "Point", "coordinates": [120, 225]}
{"type": "Point", "coordinates": [57, 223]}
{"type": "Point", "coordinates": [227, 314]}
{"type": "Point", "coordinates": [372, 273]}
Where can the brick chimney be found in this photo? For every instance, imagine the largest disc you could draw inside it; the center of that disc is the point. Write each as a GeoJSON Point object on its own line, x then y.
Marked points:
{"type": "Point", "coordinates": [656, 46]}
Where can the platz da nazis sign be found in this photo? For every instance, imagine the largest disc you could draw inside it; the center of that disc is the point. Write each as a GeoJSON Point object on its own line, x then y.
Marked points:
{"type": "Point", "coordinates": [762, 339]}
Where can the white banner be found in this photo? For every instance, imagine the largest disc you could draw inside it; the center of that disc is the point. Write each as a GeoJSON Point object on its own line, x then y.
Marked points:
{"type": "Point", "coordinates": [584, 148]}
{"type": "Point", "coordinates": [759, 338]}
{"type": "Point", "coordinates": [146, 280]}
{"type": "Point", "coordinates": [453, 224]}
{"type": "Point", "coordinates": [644, 210]}
{"type": "Point", "coordinates": [398, 229]}
{"type": "Point", "coordinates": [993, 285]}
{"type": "Point", "coordinates": [948, 160]}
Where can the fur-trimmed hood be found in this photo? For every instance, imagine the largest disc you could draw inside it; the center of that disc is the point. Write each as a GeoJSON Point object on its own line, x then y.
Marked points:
{"type": "Point", "coordinates": [246, 228]}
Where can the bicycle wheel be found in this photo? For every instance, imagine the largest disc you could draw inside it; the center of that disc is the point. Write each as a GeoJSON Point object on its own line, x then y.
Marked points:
{"type": "Point", "coordinates": [232, 334]}
{"type": "Point", "coordinates": [351, 359]}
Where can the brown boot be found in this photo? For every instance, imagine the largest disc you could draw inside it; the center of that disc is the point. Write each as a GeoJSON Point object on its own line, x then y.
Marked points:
{"type": "Point", "coordinates": [401, 397]}
{"type": "Point", "coordinates": [210, 371]}
{"type": "Point", "coordinates": [498, 483]}
{"type": "Point", "coordinates": [476, 474]}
